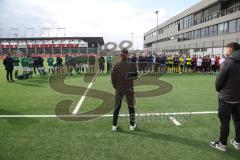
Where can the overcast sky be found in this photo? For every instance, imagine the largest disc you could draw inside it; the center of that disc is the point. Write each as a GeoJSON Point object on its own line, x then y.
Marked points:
{"type": "Point", "coordinates": [114, 20]}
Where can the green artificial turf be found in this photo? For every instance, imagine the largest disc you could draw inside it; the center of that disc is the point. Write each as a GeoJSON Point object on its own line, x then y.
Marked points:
{"type": "Point", "coordinates": [156, 137]}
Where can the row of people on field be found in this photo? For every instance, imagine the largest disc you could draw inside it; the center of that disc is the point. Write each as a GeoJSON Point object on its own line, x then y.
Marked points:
{"type": "Point", "coordinates": [163, 63]}
{"type": "Point", "coordinates": [86, 63]}
{"type": "Point", "coordinates": [35, 64]}
{"type": "Point", "coordinates": [31, 64]}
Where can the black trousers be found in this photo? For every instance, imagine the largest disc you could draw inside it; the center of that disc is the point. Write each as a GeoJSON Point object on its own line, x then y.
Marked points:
{"type": "Point", "coordinates": [119, 94]}
{"type": "Point", "coordinates": [225, 112]}
{"type": "Point", "coordinates": [109, 67]}
{"type": "Point", "coordinates": [9, 74]}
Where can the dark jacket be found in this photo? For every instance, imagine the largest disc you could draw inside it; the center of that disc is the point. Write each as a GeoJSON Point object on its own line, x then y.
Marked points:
{"type": "Point", "coordinates": [8, 63]}
{"type": "Point", "coordinates": [123, 75]}
{"type": "Point", "coordinates": [228, 79]}
{"type": "Point", "coordinates": [40, 61]}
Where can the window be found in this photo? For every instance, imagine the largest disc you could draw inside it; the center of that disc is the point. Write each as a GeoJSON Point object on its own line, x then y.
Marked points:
{"type": "Point", "coordinates": [207, 31]}
{"type": "Point", "coordinates": [195, 34]}
{"type": "Point", "coordinates": [180, 37]}
{"type": "Point", "coordinates": [198, 33]}
{"type": "Point", "coordinates": [238, 25]}
{"type": "Point", "coordinates": [154, 34]}
{"type": "Point", "coordinates": [215, 30]}
{"type": "Point", "coordinates": [186, 36]}
{"type": "Point", "coordinates": [181, 24]}
{"type": "Point", "coordinates": [226, 27]}
{"type": "Point", "coordinates": [221, 29]}
{"type": "Point", "coordinates": [211, 31]}
{"type": "Point", "coordinates": [190, 35]}
{"type": "Point", "coordinates": [232, 26]}
{"type": "Point", "coordinates": [190, 21]}
{"type": "Point", "coordinates": [203, 32]}
{"type": "Point", "coordinates": [185, 22]}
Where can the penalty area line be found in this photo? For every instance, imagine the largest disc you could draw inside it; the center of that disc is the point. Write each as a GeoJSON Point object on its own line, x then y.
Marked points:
{"type": "Point", "coordinates": [109, 115]}
{"type": "Point", "coordinates": [80, 102]}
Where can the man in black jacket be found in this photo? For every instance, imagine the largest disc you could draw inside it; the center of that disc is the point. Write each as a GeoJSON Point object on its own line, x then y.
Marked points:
{"type": "Point", "coordinates": [228, 87]}
{"type": "Point", "coordinates": [122, 76]}
{"type": "Point", "coordinates": [8, 63]}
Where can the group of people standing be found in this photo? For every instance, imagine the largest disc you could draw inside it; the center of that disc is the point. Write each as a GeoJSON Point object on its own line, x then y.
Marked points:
{"type": "Point", "coordinates": [27, 63]}
{"type": "Point", "coordinates": [32, 65]}
{"type": "Point", "coordinates": [164, 63]}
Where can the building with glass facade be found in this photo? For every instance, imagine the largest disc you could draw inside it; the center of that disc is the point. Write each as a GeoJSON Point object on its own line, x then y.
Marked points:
{"type": "Point", "coordinates": [205, 28]}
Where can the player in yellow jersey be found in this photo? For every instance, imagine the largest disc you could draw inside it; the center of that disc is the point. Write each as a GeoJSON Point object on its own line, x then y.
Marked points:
{"type": "Point", "coordinates": [189, 63]}
{"type": "Point", "coordinates": [181, 60]}
{"type": "Point", "coordinates": [170, 63]}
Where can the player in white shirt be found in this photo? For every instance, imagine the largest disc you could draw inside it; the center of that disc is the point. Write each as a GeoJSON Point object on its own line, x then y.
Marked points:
{"type": "Point", "coordinates": [199, 64]}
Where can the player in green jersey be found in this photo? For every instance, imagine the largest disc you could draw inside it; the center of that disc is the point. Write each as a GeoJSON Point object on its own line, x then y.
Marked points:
{"type": "Point", "coordinates": [16, 65]}
{"type": "Point", "coordinates": [50, 62]}
{"type": "Point", "coordinates": [91, 62]}
{"type": "Point", "coordinates": [24, 63]}
{"type": "Point", "coordinates": [109, 63]}
{"type": "Point", "coordinates": [30, 65]}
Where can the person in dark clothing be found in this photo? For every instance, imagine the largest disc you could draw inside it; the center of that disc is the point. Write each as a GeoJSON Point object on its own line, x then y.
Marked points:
{"type": "Point", "coordinates": [150, 59]}
{"type": "Point", "coordinates": [59, 65]}
{"type": "Point", "coordinates": [228, 87]}
{"type": "Point", "coordinates": [34, 64]}
{"type": "Point", "coordinates": [157, 63]}
{"type": "Point", "coordinates": [140, 64]}
{"type": "Point", "coordinates": [92, 61]}
{"type": "Point", "coordinates": [122, 77]}
{"type": "Point", "coordinates": [134, 59]}
{"type": "Point", "coordinates": [40, 66]}
{"type": "Point", "coordinates": [8, 63]}
{"type": "Point", "coordinates": [101, 62]}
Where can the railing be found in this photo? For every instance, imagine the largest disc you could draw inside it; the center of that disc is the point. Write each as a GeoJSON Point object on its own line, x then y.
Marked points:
{"type": "Point", "coordinates": [230, 10]}
{"type": "Point", "coordinates": [215, 15]}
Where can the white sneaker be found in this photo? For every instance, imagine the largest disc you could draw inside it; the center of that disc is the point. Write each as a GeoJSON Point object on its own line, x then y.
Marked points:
{"type": "Point", "coordinates": [218, 145]}
{"type": "Point", "coordinates": [133, 128]}
{"type": "Point", "coordinates": [235, 144]}
{"type": "Point", "coordinates": [114, 128]}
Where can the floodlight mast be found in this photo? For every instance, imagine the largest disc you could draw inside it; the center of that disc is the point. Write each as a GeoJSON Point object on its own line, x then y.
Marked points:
{"type": "Point", "coordinates": [157, 12]}
{"type": "Point", "coordinates": [45, 31]}
{"type": "Point", "coordinates": [30, 32]}
{"type": "Point", "coordinates": [13, 32]}
{"type": "Point", "coordinates": [61, 30]}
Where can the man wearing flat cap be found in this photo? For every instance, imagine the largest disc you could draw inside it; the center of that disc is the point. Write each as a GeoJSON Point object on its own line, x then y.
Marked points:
{"type": "Point", "coordinates": [123, 74]}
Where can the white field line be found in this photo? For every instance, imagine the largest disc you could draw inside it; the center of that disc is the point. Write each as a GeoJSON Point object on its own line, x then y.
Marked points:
{"type": "Point", "coordinates": [79, 104]}
{"type": "Point", "coordinates": [176, 122]}
{"type": "Point", "coordinates": [108, 115]}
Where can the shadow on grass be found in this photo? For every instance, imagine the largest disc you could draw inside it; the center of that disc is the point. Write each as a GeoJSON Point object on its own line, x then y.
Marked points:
{"type": "Point", "coordinates": [33, 82]}
{"type": "Point", "coordinates": [29, 84]}
{"type": "Point", "coordinates": [17, 121]}
{"type": "Point", "coordinates": [202, 145]}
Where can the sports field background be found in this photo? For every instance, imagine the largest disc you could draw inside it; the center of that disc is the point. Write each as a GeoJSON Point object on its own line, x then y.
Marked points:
{"type": "Point", "coordinates": [54, 139]}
